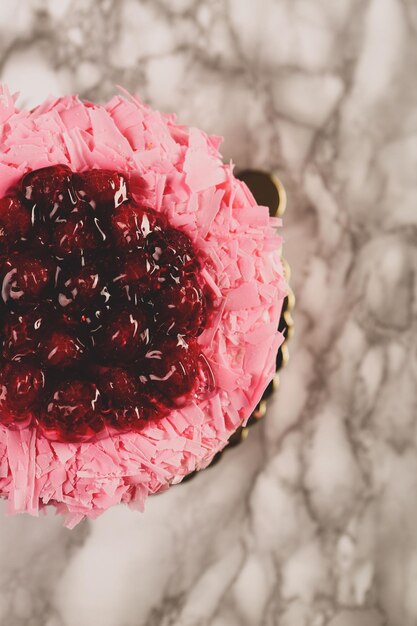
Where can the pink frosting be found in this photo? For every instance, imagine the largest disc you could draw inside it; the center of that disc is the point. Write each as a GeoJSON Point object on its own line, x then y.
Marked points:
{"type": "Point", "coordinates": [178, 171]}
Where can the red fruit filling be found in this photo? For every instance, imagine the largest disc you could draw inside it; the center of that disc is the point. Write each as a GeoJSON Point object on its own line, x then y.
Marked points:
{"type": "Point", "coordinates": [123, 335]}
{"type": "Point", "coordinates": [49, 192]}
{"type": "Point", "coordinates": [180, 309]}
{"type": "Point", "coordinates": [23, 331]}
{"type": "Point", "coordinates": [101, 188]}
{"type": "Point", "coordinates": [80, 232]}
{"type": "Point", "coordinates": [171, 367]}
{"type": "Point", "coordinates": [131, 225]}
{"type": "Point", "coordinates": [74, 411]}
{"type": "Point", "coordinates": [101, 304]}
{"type": "Point", "coordinates": [60, 349]}
{"type": "Point", "coordinates": [14, 221]}
{"type": "Point", "coordinates": [81, 291]}
{"type": "Point", "coordinates": [24, 279]}
{"type": "Point", "coordinates": [21, 390]}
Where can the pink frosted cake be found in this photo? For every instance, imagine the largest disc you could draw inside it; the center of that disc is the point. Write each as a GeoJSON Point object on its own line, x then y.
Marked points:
{"type": "Point", "coordinates": [141, 292]}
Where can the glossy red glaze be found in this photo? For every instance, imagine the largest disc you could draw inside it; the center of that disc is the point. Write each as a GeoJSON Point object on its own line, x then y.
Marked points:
{"type": "Point", "coordinates": [101, 188]}
{"type": "Point", "coordinates": [123, 335]}
{"type": "Point", "coordinates": [48, 192]}
{"type": "Point", "coordinates": [120, 387]}
{"type": "Point", "coordinates": [78, 233]}
{"type": "Point", "coordinates": [14, 220]}
{"type": "Point", "coordinates": [131, 225]}
{"type": "Point", "coordinates": [180, 309]}
{"type": "Point", "coordinates": [138, 274]}
{"type": "Point", "coordinates": [171, 367]}
{"type": "Point", "coordinates": [61, 350]}
{"type": "Point", "coordinates": [171, 247]}
{"type": "Point", "coordinates": [24, 279]}
{"type": "Point", "coordinates": [21, 385]}
{"type": "Point", "coordinates": [82, 289]}
{"type": "Point", "coordinates": [73, 411]}
{"type": "Point", "coordinates": [101, 304]}
{"type": "Point", "coordinates": [22, 331]}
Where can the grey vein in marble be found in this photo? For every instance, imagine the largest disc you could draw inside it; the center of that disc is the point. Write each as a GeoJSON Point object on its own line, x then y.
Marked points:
{"type": "Point", "coordinates": [313, 521]}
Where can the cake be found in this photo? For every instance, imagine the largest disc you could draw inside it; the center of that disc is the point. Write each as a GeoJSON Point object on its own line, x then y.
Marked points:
{"type": "Point", "coordinates": [141, 293]}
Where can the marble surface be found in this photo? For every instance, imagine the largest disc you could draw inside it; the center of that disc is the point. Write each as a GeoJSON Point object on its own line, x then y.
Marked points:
{"type": "Point", "coordinates": [313, 521]}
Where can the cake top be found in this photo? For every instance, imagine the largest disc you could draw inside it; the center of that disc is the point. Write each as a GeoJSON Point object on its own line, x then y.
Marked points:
{"type": "Point", "coordinates": [224, 257]}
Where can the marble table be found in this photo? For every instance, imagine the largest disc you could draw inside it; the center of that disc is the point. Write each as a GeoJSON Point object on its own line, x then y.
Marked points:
{"type": "Point", "coordinates": [313, 520]}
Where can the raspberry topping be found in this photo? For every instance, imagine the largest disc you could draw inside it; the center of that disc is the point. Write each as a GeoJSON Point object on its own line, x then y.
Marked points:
{"type": "Point", "coordinates": [171, 367]}
{"type": "Point", "coordinates": [21, 386]}
{"type": "Point", "coordinates": [78, 233]}
{"type": "Point", "coordinates": [122, 336]}
{"type": "Point", "coordinates": [170, 247]}
{"type": "Point", "coordinates": [49, 192]}
{"type": "Point", "coordinates": [102, 303]}
{"type": "Point", "coordinates": [74, 410]}
{"type": "Point", "coordinates": [82, 290]}
{"type": "Point", "coordinates": [132, 224]}
{"type": "Point", "coordinates": [23, 279]}
{"type": "Point", "coordinates": [180, 308]}
{"type": "Point", "coordinates": [14, 221]}
{"type": "Point", "coordinates": [22, 332]}
{"type": "Point", "coordinates": [61, 350]}
{"type": "Point", "coordinates": [101, 188]}
{"type": "Point", "coordinates": [138, 274]}
{"type": "Point", "coordinates": [120, 386]}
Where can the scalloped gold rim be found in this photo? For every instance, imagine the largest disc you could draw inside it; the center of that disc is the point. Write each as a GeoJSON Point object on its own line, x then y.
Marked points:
{"type": "Point", "coordinates": [282, 195]}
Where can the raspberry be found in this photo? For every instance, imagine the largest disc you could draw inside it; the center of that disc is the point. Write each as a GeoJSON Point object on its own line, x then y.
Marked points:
{"type": "Point", "coordinates": [14, 221]}
{"type": "Point", "coordinates": [123, 335]}
{"type": "Point", "coordinates": [61, 350]}
{"type": "Point", "coordinates": [170, 247]}
{"type": "Point", "coordinates": [39, 239]}
{"type": "Point", "coordinates": [22, 331]}
{"type": "Point", "coordinates": [82, 291]}
{"type": "Point", "coordinates": [101, 188]}
{"type": "Point", "coordinates": [131, 225]}
{"type": "Point", "coordinates": [171, 367]}
{"type": "Point", "coordinates": [21, 384]}
{"type": "Point", "coordinates": [79, 232]}
{"type": "Point", "coordinates": [120, 387]}
{"type": "Point", "coordinates": [49, 192]}
{"type": "Point", "coordinates": [24, 279]}
{"type": "Point", "coordinates": [138, 274]}
{"type": "Point", "coordinates": [73, 411]}
{"type": "Point", "coordinates": [147, 406]}
{"type": "Point", "coordinates": [180, 309]}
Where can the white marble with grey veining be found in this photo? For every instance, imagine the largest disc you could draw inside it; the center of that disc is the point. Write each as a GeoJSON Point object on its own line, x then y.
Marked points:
{"type": "Point", "coordinates": [313, 521]}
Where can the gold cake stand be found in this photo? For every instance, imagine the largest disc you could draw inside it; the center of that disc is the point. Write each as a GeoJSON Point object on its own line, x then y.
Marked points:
{"type": "Point", "coordinates": [268, 191]}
